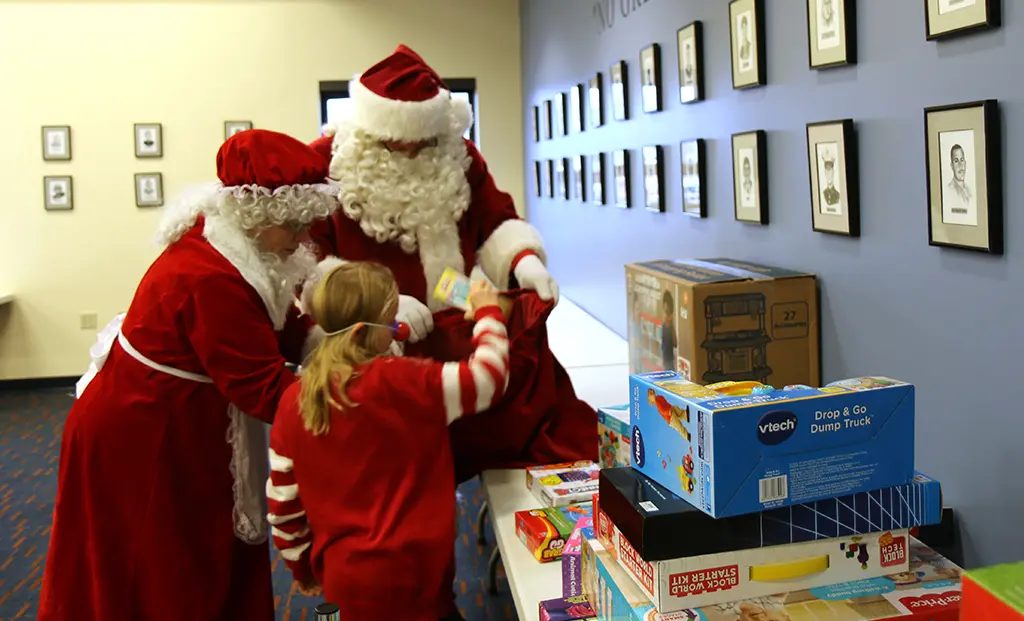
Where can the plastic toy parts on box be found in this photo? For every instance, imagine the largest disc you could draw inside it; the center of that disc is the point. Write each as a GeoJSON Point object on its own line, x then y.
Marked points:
{"type": "Point", "coordinates": [730, 454]}
{"type": "Point", "coordinates": [994, 593]}
{"type": "Point", "coordinates": [558, 485]}
{"type": "Point", "coordinates": [545, 531]}
{"type": "Point", "coordinates": [613, 434]}
{"type": "Point", "coordinates": [567, 609]}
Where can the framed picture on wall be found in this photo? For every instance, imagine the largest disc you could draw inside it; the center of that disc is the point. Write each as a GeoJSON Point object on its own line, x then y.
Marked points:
{"type": "Point", "coordinates": [835, 191]}
{"type": "Point", "coordinates": [579, 181]}
{"type": "Point", "coordinates": [149, 189]}
{"type": "Point", "coordinates": [149, 140]}
{"type": "Point", "coordinates": [558, 108]}
{"type": "Point", "coordinates": [597, 191]}
{"type": "Point", "coordinates": [746, 37]}
{"type": "Point", "coordinates": [965, 176]}
{"type": "Point", "coordinates": [654, 174]}
{"type": "Point", "coordinates": [691, 158]}
{"type": "Point", "coordinates": [950, 18]}
{"type": "Point", "coordinates": [650, 78]}
{"type": "Point", "coordinates": [577, 101]}
{"type": "Point", "coordinates": [690, 41]}
{"type": "Point", "coordinates": [750, 177]}
{"type": "Point", "coordinates": [535, 124]}
{"type": "Point", "coordinates": [56, 142]}
{"type": "Point", "coordinates": [596, 101]}
{"type": "Point", "coordinates": [623, 187]}
{"type": "Point", "coordinates": [545, 119]}
{"type": "Point", "coordinates": [831, 33]}
{"type": "Point", "coordinates": [620, 91]}
{"type": "Point", "coordinates": [549, 181]}
{"type": "Point", "coordinates": [233, 127]}
{"type": "Point", "coordinates": [562, 177]}
{"type": "Point", "coordinates": [57, 193]}
{"type": "Point", "coordinates": [538, 178]}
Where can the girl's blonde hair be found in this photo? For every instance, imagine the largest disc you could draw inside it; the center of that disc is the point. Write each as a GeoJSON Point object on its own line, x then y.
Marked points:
{"type": "Point", "coordinates": [349, 294]}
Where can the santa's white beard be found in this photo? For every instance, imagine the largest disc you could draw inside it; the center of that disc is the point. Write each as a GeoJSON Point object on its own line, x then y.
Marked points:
{"type": "Point", "coordinates": [288, 273]}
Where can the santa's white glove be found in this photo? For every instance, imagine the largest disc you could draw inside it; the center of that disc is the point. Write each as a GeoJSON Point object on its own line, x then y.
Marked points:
{"type": "Point", "coordinates": [416, 315]}
{"type": "Point", "coordinates": [531, 274]}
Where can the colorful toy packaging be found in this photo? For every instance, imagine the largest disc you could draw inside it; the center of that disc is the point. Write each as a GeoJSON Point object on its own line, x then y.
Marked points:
{"type": "Point", "coordinates": [567, 609]}
{"type": "Point", "coordinates": [613, 434]}
{"type": "Point", "coordinates": [571, 561]}
{"type": "Point", "coordinates": [557, 485]}
{"type": "Point", "coordinates": [731, 455]}
{"type": "Point", "coordinates": [545, 531]}
{"type": "Point", "coordinates": [994, 593]}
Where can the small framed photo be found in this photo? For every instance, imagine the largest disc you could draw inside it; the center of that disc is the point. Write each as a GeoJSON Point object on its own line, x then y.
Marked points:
{"type": "Point", "coordinates": [750, 177]}
{"type": "Point", "coordinates": [654, 173]}
{"type": "Point", "coordinates": [623, 187]}
{"type": "Point", "coordinates": [951, 18]}
{"type": "Point", "coordinates": [579, 192]}
{"type": "Point", "coordinates": [149, 189]}
{"type": "Point", "coordinates": [558, 109]}
{"type": "Point", "coordinates": [965, 176]}
{"type": "Point", "coordinates": [57, 193]}
{"type": "Point", "coordinates": [149, 141]}
{"type": "Point", "coordinates": [56, 142]}
{"type": "Point", "coordinates": [233, 127]}
{"type": "Point", "coordinates": [620, 91]}
{"type": "Point", "coordinates": [832, 161]}
{"type": "Point", "coordinates": [690, 40]}
{"type": "Point", "coordinates": [597, 191]}
{"type": "Point", "coordinates": [535, 124]}
{"type": "Point", "coordinates": [549, 182]}
{"type": "Point", "coordinates": [692, 158]}
{"type": "Point", "coordinates": [596, 101]}
{"type": "Point", "coordinates": [537, 177]}
{"type": "Point", "coordinates": [545, 119]}
{"type": "Point", "coordinates": [831, 33]}
{"type": "Point", "coordinates": [746, 36]}
{"type": "Point", "coordinates": [562, 177]}
{"type": "Point", "coordinates": [650, 78]}
{"type": "Point", "coordinates": [577, 101]}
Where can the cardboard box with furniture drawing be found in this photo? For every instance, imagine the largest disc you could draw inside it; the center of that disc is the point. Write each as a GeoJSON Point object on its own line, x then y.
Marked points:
{"type": "Point", "coordinates": [714, 320]}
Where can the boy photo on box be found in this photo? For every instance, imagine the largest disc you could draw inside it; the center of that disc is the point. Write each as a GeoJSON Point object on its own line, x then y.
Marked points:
{"type": "Point", "coordinates": [668, 332]}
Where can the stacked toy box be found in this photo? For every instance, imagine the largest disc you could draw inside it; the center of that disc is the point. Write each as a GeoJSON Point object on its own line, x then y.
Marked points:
{"type": "Point", "coordinates": [738, 490]}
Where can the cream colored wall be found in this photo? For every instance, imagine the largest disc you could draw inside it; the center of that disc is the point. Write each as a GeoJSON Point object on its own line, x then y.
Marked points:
{"type": "Point", "coordinates": [102, 66]}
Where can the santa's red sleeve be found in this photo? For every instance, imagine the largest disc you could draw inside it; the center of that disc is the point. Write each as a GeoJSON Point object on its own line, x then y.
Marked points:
{"type": "Point", "coordinates": [299, 336]}
{"type": "Point", "coordinates": [502, 237]}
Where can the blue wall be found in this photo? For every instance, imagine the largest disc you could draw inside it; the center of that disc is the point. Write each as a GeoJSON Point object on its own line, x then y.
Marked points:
{"type": "Point", "coordinates": [951, 322]}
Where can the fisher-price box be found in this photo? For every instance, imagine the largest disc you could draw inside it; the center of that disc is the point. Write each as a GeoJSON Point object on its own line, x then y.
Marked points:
{"type": "Point", "coordinates": [613, 435]}
{"type": "Point", "coordinates": [557, 485]}
{"type": "Point", "coordinates": [994, 593]}
{"type": "Point", "coordinates": [545, 531]}
{"type": "Point", "coordinates": [731, 455]}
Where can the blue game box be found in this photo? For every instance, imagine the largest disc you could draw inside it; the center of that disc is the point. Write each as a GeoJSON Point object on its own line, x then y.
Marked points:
{"type": "Point", "coordinates": [732, 455]}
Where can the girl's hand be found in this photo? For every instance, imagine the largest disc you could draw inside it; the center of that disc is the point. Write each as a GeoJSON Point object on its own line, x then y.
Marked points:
{"type": "Point", "coordinates": [310, 589]}
{"type": "Point", "coordinates": [481, 294]}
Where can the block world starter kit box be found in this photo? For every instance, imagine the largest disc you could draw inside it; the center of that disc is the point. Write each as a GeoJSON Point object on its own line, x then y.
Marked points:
{"type": "Point", "coordinates": [731, 455]}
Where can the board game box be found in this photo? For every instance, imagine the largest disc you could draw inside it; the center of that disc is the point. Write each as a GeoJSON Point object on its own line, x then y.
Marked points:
{"type": "Point", "coordinates": [557, 485]}
{"type": "Point", "coordinates": [545, 531]}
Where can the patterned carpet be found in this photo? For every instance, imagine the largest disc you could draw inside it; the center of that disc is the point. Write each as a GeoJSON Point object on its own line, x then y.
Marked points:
{"type": "Point", "coordinates": [30, 430]}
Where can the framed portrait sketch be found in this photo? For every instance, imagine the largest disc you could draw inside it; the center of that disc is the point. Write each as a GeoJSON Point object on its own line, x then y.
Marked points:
{"type": "Point", "coordinates": [545, 119]}
{"type": "Point", "coordinates": [579, 192]}
{"type": "Point", "coordinates": [233, 127]}
{"type": "Point", "coordinates": [654, 174]}
{"type": "Point", "coordinates": [835, 186]}
{"type": "Point", "coordinates": [149, 141]}
{"type": "Point", "coordinates": [558, 109]}
{"type": "Point", "coordinates": [596, 101]}
{"type": "Point", "coordinates": [149, 189]}
{"type": "Point", "coordinates": [57, 193]}
{"type": "Point", "coordinates": [750, 177]}
{"type": "Point", "coordinates": [691, 157]}
{"type": "Point", "coordinates": [620, 91]}
{"type": "Point", "coordinates": [650, 78]}
{"type": "Point", "coordinates": [577, 101]}
{"type": "Point", "coordinates": [549, 181]}
{"type": "Point", "coordinates": [623, 187]}
{"type": "Point", "coordinates": [965, 176]}
{"type": "Point", "coordinates": [690, 40]}
{"type": "Point", "coordinates": [950, 18]}
{"type": "Point", "coordinates": [562, 177]}
{"type": "Point", "coordinates": [746, 40]}
{"type": "Point", "coordinates": [56, 142]}
{"type": "Point", "coordinates": [831, 33]}
{"type": "Point", "coordinates": [597, 191]}
{"type": "Point", "coordinates": [537, 176]}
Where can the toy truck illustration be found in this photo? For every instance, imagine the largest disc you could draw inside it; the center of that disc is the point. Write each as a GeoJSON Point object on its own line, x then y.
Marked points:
{"type": "Point", "coordinates": [737, 338]}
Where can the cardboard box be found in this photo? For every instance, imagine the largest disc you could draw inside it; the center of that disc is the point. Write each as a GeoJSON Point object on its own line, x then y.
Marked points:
{"type": "Point", "coordinates": [994, 593]}
{"type": "Point", "coordinates": [545, 531]}
{"type": "Point", "coordinates": [613, 434]}
{"type": "Point", "coordinates": [662, 526]}
{"type": "Point", "coordinates": [929, 591]}
{"type": "Point", "coordinates": [571, 561]}
{"type": "Point", "coordinates": [745, 454]}
{"type": "Point", "coordinates": [714, 320]}
{"type": "Point", "coordinates": [567, 609]}
{"type": "Point", "coordinates": [557, 485]}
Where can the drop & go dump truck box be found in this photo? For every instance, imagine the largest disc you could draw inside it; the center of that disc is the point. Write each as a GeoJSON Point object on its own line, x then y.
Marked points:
{"type": "Point", "coordinates": [994, 593]}
{"type": "Point", "coordinates": [731, 455]}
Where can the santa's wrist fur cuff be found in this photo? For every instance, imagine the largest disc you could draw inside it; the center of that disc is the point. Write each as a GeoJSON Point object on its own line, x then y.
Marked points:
{"type": "Point", "coordinates": [309, 287]}
{"type": "Point", "coordinates": [511, 239]}
{"type": "Point", "coordinates": [315, 335]}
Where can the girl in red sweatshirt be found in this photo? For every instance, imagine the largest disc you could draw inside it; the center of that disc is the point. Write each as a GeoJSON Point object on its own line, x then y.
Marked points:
{"type": "Point", "coordinates": [361, 483]}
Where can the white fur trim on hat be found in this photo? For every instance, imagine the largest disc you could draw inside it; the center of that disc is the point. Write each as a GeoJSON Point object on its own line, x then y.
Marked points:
{"type": "Point", "coordinates": [309, 287]}
{"type": "Point", "coordinates": [254, 206]}
{"type": "Point", "coordinates": [509, 239]}
{"type": "Point", "coordinates": [392, 119]}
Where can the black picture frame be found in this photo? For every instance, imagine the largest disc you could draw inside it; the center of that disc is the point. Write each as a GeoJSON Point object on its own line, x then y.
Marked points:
{"type": "Point", "coordinates": [598, 190]}
{"type": "Point", "coordinates": [144, 202]}
{"type": "Point", "coordinates": [559, 107]}
{"type": "Point", "coordinates": [149, 140]}
{"type": "Point", "coordinates": [620, 105]}
{"type": "Point", "coordinates": [55, 189]}
{"type": "Point", "coordinates": [233, 127]}
{"type": "Point", "coordinates": [546, 120]}
{"type": "Point", "coordinates": [551, 179]}
{"type": "Point", "coordinates": [650, 79]}
{"type": "Point", "coordinates": [698, 209]}
{"type": "Point", "coordinates": [56, 143]}
{"type": "Point", "coordinates": [691, 87]}
{"type": "Point", "coordinates": [536, 123]}
{"type": "Point", "coordinates": [595, 101]}
{"type": "Point", "coordinates": [562, 177]}
{"type": "Point", "coordinates": [756, 143]}
{"type": "Point", "coordinates": [986, 233]}
{"type": "Point", "coordinates": [623, 177]}
{"type": "Point", "coordinates": [577, 108]}
{"type": "Point", "coordinates": [653, 166]}
{"type": "Point", "coordinates": [538, 178]}
{"type": "Point", "coordinates": [935, 30]}
{"type": "Point", "coordinates": [832, 150]}
{"type": "Point", "coordinates": [845, 53]}
{"type": "Point", "coordinates": [579, 179]}
{"type": "Point", "coordinates": [759, 65]}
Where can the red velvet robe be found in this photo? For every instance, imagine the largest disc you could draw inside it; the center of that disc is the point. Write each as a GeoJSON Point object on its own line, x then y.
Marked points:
{"type": "Point", "coordinates": [143, 524]}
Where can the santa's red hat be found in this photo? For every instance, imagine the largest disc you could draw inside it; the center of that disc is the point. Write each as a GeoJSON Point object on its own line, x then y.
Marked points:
{"type": "Point", "coordinates": [402, 98]}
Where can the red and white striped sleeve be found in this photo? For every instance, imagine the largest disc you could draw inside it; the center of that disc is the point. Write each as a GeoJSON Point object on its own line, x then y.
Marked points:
{"type": "Point", "coordinates": [286, 514]}
{"type": "Point", "coordinates": [476, 384]}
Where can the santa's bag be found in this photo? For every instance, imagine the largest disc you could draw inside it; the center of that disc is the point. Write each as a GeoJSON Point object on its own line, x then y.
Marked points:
{"type": "Point", "coordinates": [539, 420]}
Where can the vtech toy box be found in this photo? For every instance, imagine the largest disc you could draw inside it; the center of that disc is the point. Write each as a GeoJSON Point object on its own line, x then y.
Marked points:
{"type": "Point", "coordinates": [731, 455]}
{"type": "Point", "coordinates": [613, 434]}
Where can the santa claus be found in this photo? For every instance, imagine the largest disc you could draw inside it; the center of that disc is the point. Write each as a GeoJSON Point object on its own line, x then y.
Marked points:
{"type": "Point", "coordinates": [160, 509]}
{"type": "Point", "coordinates": [417, 196]}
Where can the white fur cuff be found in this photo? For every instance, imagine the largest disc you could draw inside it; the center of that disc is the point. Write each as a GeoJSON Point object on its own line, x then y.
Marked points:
{"type": "Point", "coordinates": [313, 338]}
{"type": "Point", "coordinates": [309, 287]}
{"type": "Point", "coordinates": [508, 240]}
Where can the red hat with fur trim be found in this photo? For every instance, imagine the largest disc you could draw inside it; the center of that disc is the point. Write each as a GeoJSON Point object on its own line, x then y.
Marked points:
{"type": "Point", "coordinates": [402, 98]}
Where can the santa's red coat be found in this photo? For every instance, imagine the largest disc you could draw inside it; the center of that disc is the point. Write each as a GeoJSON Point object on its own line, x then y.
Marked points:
{"type": "Point", "coordinates": [143, 525]}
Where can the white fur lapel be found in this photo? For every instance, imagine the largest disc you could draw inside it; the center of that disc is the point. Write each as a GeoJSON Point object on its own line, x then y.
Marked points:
{"type": "Point", "coordinates": [440, 248]}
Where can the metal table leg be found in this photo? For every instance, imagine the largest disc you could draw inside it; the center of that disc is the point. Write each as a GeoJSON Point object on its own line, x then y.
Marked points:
{"type": "Point", "coordinates": [492, 571]}
{"type": "Point", "coordinates": [481, 517]}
